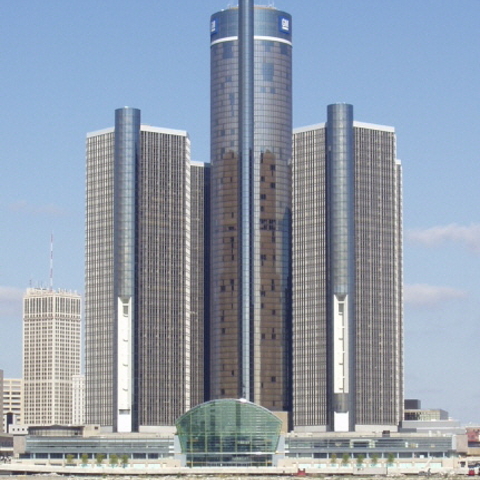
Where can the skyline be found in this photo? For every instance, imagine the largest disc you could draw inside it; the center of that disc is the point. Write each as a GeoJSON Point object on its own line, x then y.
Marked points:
{"type": "Point", "coordinates": [387, 63]}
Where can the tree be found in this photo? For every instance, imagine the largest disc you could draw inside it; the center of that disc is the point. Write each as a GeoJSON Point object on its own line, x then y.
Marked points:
{"type": "Point", "coordinates": [113, 460]}
{"type": "Point", "coordinates": [374, 459]}
{"type": "Point", "coordinates": [69, 459]}
{"type": "Point", "coordinates": [390, 459]}
{"type": "Point", "coordinates": [345, 459]}
{"type": "Point", "coordinates": [124, 459]}
{"type": "Point", "coordinates": [360, 460]}
{"type": "Point", "coordinates": [333, 458]}
{"type": "Point", "coordinates": [99, 457]}
{"type": "Point", "coordinates": [84, 458]}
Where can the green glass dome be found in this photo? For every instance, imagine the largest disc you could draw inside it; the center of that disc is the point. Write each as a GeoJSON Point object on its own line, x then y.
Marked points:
{"type": "Point", "coordinates": [228, 432]}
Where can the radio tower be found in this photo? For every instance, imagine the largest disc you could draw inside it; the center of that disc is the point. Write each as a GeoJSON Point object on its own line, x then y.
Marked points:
{"type": "Point", "coordinates": [51, 261]}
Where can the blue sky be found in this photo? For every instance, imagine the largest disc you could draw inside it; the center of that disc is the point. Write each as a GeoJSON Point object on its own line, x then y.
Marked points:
{"type": "Point", "coordinates": [410, 64]}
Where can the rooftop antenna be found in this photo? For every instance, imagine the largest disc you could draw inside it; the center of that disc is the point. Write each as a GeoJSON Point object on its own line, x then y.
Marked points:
{"type": "Point", "coordinates": [51, 261]}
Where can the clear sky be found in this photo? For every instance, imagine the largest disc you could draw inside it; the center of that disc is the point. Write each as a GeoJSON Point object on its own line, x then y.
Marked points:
{"type": "Point", "coordinates": [414, 65]}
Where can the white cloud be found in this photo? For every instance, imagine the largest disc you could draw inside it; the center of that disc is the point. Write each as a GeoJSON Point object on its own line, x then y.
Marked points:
{"type": "Point", "coordinates": [23, 206]}
{"type": "Point", "coordinates": [11, 301]}
{"type": "Point", "coordinates": [430, 295]}
{"type": "Point", "coordinates": [466, 235]}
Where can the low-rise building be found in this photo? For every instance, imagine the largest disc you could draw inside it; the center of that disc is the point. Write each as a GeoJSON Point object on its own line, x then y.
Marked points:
{"type": "Point", "coordinates": [231, 434]}
{"type": "Point", "coordinates": [12, 403]}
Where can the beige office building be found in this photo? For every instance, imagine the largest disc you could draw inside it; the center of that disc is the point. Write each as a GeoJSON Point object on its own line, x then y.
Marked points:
{"type": "Point", "coordinates": [51, 354]}
{"type": "Point", "coordinates": [78, 400]}
{"type": "Point", "coordinates": [12, 401]}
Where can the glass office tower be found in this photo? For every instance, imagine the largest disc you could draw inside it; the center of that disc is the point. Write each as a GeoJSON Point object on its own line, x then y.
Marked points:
{"type": "Point", "coordinates": [347, 284]}
{"type": "Point", "coordinates": [144, 276]}
{"type": "Point", "coordinates": [251, 124]}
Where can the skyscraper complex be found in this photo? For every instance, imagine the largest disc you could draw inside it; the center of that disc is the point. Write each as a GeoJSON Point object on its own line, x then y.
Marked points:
{"type": "Point", "coordinates": [200, 285]}
{"type": "Point", "coordinates": [251, 125]}
{"type": "Point", "coordinates": [347, 284]}
{"type": "Point", "coordinates": [141, 331]}
{"type": "Point", "coordinates": [51, 354]}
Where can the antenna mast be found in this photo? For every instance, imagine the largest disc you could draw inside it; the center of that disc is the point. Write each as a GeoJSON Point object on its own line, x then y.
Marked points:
{"type": "Point", "coordinates": [51, 261]}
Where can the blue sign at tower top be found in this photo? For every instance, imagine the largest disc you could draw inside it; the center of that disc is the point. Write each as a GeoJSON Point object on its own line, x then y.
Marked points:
{"type": "Point", "coordinates": [284, 24]}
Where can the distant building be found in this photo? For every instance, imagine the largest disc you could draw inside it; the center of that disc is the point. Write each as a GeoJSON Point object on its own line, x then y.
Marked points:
{"type": "Point", "coordinates": [12, 402]}
{"type": "Point", "coordinates": [347, 276]}
{"type": "Point", "coordinates": [144, 262]}
{"type": "Point", "coordinates": [431, 420]}
{"type": "Point", "coordinates": [414, 411]}
{"type": "Point", "coordinates": [78, 400]}
{"type": "Point", "coordinates": [412, 404]}
{"type": "Point", "coordinates": [2, 428]}
{"type": "Point", "coordinates": [51, 354]}
{"type": "Point", "coordinates": [426, 415]}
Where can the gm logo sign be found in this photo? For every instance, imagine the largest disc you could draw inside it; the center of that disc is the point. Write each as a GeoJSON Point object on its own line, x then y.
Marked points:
{"type": "Point", "coordinates": [284, 24]}
{"type": "Point", "coordinates": [213, 26]}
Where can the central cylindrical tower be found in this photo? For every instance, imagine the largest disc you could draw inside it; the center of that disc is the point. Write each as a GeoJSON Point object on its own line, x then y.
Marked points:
{"type": "Point", "coordinates": [251, 125]}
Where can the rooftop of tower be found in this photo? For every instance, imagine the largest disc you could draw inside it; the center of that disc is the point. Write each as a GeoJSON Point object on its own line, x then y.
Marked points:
{"type": "Point", "coordinates": [371, 126]}
{"type": "Point", "coordinates": [270, 7]}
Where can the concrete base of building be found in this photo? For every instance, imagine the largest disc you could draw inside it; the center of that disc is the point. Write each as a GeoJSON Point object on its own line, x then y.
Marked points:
{"type": "Point", "coordinates": [450, 466]}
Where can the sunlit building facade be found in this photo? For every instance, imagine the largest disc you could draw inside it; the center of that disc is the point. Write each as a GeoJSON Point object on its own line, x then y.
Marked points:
{"type": "Point", "coordinates": [347, 282]}
{"type": "Point", "coordinates": [51, 354]}
{"type": "Point", "coordinates": [78, 400]}
{"type": "Point", "coordinates": [12, 402]}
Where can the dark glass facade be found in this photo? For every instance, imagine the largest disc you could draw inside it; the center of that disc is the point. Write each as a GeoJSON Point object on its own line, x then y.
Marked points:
{"type": "Point", "coordinates": [347, 276]}
{"type": "Point", "coordinates": [144, 280]}
{"type": "Point", "coordinates": [250, 211]}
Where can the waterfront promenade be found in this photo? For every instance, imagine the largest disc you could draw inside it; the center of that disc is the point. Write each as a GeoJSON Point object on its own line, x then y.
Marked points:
{"type": "Point", "coordinates": [156, 470]}
{"type": "Point", "coordinates": [237, 476]}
